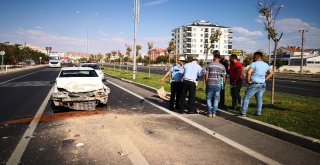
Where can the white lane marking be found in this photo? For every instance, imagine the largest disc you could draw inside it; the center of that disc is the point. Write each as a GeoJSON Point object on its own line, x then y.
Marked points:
{"type": "Point", "coordinates": [22, 145]}
{"type": "Point", "coordinates": [20, 77]}
{"type": "Point", "coordinates": [208, 131]}
{"type": "Point", "coordinates": [128, 148]}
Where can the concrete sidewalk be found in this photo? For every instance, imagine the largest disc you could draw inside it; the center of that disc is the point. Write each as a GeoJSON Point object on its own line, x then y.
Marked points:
{"type": "Point", "coordinates": [278, 132]}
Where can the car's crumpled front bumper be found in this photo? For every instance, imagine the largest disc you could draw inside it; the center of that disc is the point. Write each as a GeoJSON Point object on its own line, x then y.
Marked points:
{"type": "Point", "coordinates": [80, 100]}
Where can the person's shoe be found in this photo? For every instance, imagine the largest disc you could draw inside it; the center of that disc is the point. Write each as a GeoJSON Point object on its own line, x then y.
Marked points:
{"type": "Point", "coordinates": [242, 115]}
{"type": "Point", "coordinates": [213, 115]}
{"type": "Point", "coordinates": [258, 114]}
{"type": "Point", "coordinates": [192, 112]}
{"type": "Point", "coordinates": [210, 115]}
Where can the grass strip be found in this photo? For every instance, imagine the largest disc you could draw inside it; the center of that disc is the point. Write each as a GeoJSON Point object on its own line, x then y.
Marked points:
{"type": "Point", "coordinates": [294, 113]}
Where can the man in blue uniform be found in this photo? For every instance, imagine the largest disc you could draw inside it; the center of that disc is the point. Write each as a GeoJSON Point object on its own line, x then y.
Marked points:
{"type": "Point", "coordinates": [175, 73]}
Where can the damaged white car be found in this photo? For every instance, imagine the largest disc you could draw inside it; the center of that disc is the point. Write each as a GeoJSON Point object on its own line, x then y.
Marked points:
{"type": "Point", "coordinates": [79, 88]}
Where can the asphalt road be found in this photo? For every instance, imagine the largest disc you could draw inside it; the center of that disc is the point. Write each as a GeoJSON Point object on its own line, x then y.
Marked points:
{"type": "Point", "coordinates": [290, 84]}
{"type": "Point", "coordinates": [129, 130]}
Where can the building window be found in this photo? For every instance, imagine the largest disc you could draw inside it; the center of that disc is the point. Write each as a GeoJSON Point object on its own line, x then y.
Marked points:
{"type": "Point", "coordinates": [194, 40]}
{"type": "Point", "coordinates": [201, 46]}
{"type": "Point", "coordinates": [216, 46]}
{"type": "Point", "coordinates": [193, 51]}
{"type": "Point", "coordinates": [201, 40]}
{"type": "Point", "coordinates": [201, 35]}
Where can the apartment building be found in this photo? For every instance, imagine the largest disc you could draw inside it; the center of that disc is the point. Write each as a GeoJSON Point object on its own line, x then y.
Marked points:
{"type": "Point", "coordinates": [194, 39]}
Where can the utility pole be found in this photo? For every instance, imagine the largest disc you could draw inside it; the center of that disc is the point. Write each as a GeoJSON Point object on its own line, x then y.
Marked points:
{"type": "Point", "coordinates": [302, 41]}
{"type": "Point", "coordinates": [136, 19]}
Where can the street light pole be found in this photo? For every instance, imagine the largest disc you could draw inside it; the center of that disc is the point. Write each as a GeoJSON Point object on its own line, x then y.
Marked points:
{"type": "Point", "coordinates": [302, 41]}
{"type": "Point", "coordinates": [136, 19]}
{"type": "Point", "coordinates": [2, 53]}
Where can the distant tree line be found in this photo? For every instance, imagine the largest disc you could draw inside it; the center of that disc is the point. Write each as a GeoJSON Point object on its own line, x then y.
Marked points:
{"type": "Point", "coordinates": [18, 53]}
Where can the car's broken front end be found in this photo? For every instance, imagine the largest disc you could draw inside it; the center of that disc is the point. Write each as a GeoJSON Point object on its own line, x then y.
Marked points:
{"type": "Point", "coordinates": [83, 95]}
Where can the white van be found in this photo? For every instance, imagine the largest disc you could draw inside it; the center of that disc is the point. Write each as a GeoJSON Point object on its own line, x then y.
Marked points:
{"type": "Point", "coordinates": [54, 61]}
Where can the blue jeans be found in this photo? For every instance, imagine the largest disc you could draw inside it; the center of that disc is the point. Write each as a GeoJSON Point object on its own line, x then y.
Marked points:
{"type": "Point", "coordinates": [257, 90]}
{"type": "Point", "coordinates": [213, 91]}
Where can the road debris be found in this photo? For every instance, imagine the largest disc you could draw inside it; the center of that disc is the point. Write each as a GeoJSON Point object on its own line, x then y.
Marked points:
{"type": "Point", "coordinates": [79, 145]}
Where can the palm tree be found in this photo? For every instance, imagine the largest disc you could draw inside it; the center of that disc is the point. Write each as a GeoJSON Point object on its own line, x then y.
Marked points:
{"type": "Point", "coordinates": [114, 53]}
{"type": "Point", "coordinates": [120, 56]}
{"type": "Point", "coordinates": [108, 57]}
{"type": "Point", "coordinates": [138, 48]}
{"type": "Point", "coordinates": [128, 53]}
{"type": "Point", "coordinates": [150, 46]}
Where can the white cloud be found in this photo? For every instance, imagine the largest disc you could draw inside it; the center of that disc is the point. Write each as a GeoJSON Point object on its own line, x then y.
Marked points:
{"type": "Point", "coordinates": [290, 28]}
{"type": "Point", "coordinates": [155, 2]}
{"type": "Point", "coordinates": [260, 19]}
{"type": "Point", "coordinates": [290, 25]}
{"type": "Point", "coordinates": [77, 12]}
{"type": "Point", "coordinates": [246, 39]}
{"type": "Point", "coordinates": [244, 32]}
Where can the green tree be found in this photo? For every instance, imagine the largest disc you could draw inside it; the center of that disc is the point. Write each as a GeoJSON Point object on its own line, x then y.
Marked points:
{"type": "Point", "coordinates": [269, 10]}
{"type": "Point", "coordinates": [150, 46]}
{"type": "Point", "coordinates": [114, 53]}
{"type": "Point", "coordinates": [170, 48]}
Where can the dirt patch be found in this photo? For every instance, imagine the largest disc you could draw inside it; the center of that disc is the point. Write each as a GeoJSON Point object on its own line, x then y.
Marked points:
{"type": "Point", "coordinates": [160, 138]}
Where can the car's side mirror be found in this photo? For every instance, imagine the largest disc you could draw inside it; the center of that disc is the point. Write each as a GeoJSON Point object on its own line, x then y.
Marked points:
{"type": "Point", "coordinates": [104, 80]}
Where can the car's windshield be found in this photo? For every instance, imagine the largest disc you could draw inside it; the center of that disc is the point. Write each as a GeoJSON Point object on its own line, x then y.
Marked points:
{"type": "Point", "coordinates": [53, 57]}
{"type": "Point", "coordinates": [94, 66]}
{"type": "Point", "coordinates": [78, 73]}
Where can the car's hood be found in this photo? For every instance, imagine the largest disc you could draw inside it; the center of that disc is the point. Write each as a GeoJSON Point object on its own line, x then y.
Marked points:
{"type": "Point", "coordinates": [80, 84]}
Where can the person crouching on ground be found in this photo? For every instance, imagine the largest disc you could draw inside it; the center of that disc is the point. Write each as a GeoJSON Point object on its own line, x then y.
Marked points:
{"type": "Point", "coordinates": [175, 73]}
{"type": "Point", "coordinates": [215, 71]}
{"type": "Point", "coordinates": [257, 75]}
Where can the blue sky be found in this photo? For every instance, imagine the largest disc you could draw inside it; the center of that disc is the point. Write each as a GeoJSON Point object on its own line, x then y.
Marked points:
{"type": "Point", "coordinates": [63, 24]}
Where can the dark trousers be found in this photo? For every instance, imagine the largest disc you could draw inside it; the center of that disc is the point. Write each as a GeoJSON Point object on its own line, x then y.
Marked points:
{"type": "Point", "coordinates": [235, 94]}
{"type": "Point", "coordinates": [222, 97]}
{"type": "Point", "coordinates": [189, 88]}
{"type": "Point", "coordinates": [176, 92]}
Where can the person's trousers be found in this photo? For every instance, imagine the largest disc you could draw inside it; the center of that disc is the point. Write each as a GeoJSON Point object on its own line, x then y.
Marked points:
{"type": "Point", "coordinates": [189, 89]}
{"type": "Point", "coordinates": [235, 94]}
{"type": "Point", "coordinates": [257, 90]}
{"type": "Point", "coordinates": [222, 97]}
{"type": "Point", "coordinates": [212, 93]}
{"type": "Point", "coordinates": [176, 92]}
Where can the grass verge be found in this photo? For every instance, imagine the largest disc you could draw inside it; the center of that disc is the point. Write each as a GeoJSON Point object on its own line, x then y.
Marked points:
{"type": "Point", "coordinates": [294, 113]}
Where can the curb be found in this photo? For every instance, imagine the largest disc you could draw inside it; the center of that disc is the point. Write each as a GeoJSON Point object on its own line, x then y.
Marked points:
{"type": "Point", "coordinates": [12, 70]}
{"type": "Point", "coordinates": [278, 132]}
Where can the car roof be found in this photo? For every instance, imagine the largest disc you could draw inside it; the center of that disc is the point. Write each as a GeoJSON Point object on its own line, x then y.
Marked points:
{"type": "Point", "coordinates": [77, 68]}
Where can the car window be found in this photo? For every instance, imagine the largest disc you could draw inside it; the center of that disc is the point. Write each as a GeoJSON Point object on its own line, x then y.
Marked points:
{"type": "Point", "coordinates": [96, 67]}
{"type": "Point", "coordinates": [78, 73]}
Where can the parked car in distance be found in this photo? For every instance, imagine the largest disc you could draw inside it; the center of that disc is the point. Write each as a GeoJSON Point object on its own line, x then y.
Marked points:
{"type": "Point", "coordinates": [79, 88]}
{"type": "Point", "coordinates": [95, 66]}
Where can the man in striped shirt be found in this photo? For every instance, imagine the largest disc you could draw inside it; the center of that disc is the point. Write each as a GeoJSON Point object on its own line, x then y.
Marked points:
{"type": "Point", "coordinates": [215, 71]}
